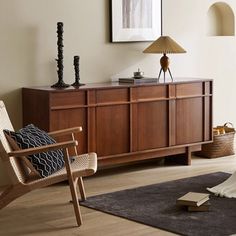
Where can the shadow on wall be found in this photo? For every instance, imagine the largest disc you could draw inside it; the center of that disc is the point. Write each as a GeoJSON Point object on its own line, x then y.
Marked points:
{"type": "Point", "coordinates": [107, 21]}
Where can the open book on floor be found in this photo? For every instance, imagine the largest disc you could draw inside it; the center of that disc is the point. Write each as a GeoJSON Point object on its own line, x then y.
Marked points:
{"type": "Point", "coordinates": [193, 199]}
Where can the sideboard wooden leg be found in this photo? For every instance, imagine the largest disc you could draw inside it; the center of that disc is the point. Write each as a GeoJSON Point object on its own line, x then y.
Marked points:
{"type": "Point", "coordinates": [180, 159]}
{"type": "Point", "coordinates": [188, 156]}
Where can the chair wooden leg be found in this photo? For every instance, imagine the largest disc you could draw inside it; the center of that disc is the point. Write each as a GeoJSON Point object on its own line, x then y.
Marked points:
{"type": "Point", "coordinates": [72, 183]}
{"type": "Point", "coordinates": [81, 189]}
{"type": "Point", "coordinates": [75, 202]}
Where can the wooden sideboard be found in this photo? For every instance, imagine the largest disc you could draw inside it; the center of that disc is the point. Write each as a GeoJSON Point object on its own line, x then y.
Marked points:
{"type": "Point", "coordinates": [126, 122]}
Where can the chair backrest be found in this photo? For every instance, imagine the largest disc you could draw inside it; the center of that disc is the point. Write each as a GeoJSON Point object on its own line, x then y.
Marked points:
{"type": "Point", "coordinates": [14, 166]}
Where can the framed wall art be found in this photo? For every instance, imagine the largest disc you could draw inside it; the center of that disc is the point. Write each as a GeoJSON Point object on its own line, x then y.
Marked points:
{"type": "Point", "coordinates": [135, 20]}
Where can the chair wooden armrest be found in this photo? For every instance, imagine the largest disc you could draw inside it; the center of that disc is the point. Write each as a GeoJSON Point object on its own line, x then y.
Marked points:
{"type": "Point", "coordinates": [45, 148]}
{"type": "Point", "coordinates": [65, 131]}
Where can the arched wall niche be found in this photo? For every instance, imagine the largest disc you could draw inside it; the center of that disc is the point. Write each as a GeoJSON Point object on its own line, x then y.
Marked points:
{"type": "Point", "coordinates": [220, 20]}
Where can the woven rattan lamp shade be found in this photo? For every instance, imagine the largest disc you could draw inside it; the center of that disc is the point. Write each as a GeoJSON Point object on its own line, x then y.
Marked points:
{"type": "Point", "coordinates": [164, 44]}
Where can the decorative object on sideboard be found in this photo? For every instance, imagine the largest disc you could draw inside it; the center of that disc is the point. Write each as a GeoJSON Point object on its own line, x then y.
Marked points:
{"type": "Point", "coordinates": [138, 74]}
{"type": "Point", "coordinates": [77, 70]}
{"type": "Point", "coordinates": [133, 21]}
{"type": "Point", "coordinates": [60, 83]}
{"type": "Point", "coordinates": [164, 44]}
{"type": "Point", "coordinates": [138, 78]}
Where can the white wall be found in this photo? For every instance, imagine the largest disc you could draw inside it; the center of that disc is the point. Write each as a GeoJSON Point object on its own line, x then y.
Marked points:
{"type": "Point", "coordinates": [28, 49]}
{"type": "Point", "coordinates": [212, 57]}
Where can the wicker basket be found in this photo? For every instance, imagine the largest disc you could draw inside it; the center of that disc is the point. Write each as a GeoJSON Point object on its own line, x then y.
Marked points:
{"type": "Point", "coordinates": [223, 144]}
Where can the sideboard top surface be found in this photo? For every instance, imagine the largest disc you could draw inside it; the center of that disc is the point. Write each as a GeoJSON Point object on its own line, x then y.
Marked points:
{"type": "Point", "coordinates": [109, 85]}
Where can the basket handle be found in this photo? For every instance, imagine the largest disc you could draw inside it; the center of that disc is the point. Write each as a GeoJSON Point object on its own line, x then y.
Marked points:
{"type": "Point", "coordinates": [229, 123]}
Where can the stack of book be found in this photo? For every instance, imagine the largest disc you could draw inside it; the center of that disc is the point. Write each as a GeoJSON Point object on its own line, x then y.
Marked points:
{"type": "Point", "coordinates": [195, 201]}
{"type": "Point", "coordinates": [138, 80]}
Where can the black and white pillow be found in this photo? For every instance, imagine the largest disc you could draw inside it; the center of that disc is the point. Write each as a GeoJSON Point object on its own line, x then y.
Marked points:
{"type": "Point", "coordinates": [46, 163]}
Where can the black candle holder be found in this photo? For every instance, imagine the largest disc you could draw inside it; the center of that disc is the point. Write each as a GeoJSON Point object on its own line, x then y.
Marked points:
{"type": "Point", "coordinates": [60, 83]}
{"type": "Point", "coordinates": [77, 70]}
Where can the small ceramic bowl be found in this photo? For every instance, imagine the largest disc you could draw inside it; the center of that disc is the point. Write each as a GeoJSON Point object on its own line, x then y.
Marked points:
{"type": "Point", "coordinates": [138, 74]}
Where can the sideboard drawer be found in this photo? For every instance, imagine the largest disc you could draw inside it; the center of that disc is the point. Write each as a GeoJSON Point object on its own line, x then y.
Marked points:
{"type": "Point", "coordinates": [151, 92]}
{"type": "Point", "coordinates": [67, 99]}
{"type": "Point", "coordinates": [112, 95]}
{"type": "Point", "coordinates": [189, 89]}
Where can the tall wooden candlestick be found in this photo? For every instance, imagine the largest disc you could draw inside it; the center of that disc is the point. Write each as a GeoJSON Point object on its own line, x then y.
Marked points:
{"type": "Point", "coordinates": [77, 70]}
{"type": "Point", "coordinates": [60, 83]}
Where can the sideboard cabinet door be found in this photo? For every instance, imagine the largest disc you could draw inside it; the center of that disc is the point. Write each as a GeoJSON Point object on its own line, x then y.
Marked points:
{"type": "Point", "coordinates": [68, 109]}
{"type": "Point", "coordinates": [152, 125]}
{"type": "Point", "coordinates": [62, 119]}
{"type": "Point", "coordinates": [189, 120]}
{"type": "Point", "coordinates": [112, 129]}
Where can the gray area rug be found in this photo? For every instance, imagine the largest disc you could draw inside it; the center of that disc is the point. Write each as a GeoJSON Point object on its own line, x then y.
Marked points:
{"type": "Point", "coordinates": [154, 205]}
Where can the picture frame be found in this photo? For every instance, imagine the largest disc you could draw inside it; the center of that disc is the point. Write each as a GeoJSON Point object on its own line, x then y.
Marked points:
{"type": "Point", "coordinates": [135, 20]}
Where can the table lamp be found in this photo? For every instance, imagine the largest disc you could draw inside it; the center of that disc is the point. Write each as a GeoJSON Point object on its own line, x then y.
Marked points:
{"type": "Point", "coordinates": [164, 44]}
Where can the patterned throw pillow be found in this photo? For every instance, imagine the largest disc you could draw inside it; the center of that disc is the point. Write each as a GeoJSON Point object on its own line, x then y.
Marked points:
{"type": "Point", "coordinates": [46, 163]}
